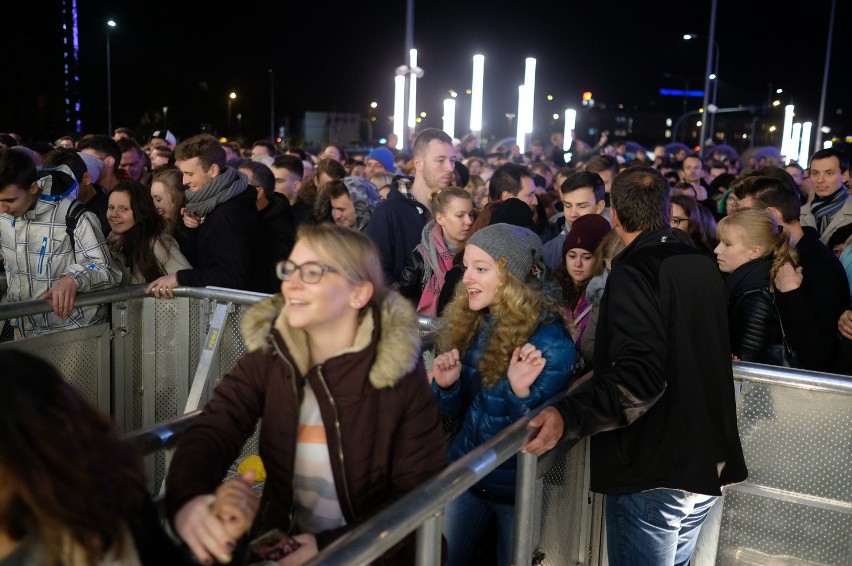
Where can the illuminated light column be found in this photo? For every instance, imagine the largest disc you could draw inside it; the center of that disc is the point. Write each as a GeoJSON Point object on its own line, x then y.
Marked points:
{"type": "Point", "coordinates": [786, 148]}
{"type": "Point", "coordinates": [805, 150]}
{"type": "Point", "coordinates": [450, 117]}
{"type": "Point", "coordinates": [399, 106]}
{"type": "Point", "coordinates": [570, 124]}
{"type": "Point", "coordinates": [522, 108]}
{"type": "Point", "coordinates": [476, 95]}
{"type": "Point", "coordinates": [412, 90]}
{"type": "Point", "coordinates": [795, 141]}
{"type": "Point", "coordinates": [529, 83]}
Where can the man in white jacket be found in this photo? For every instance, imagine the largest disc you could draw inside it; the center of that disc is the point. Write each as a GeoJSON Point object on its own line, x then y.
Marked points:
{"type": "Point", "coordinates": [41, 259]}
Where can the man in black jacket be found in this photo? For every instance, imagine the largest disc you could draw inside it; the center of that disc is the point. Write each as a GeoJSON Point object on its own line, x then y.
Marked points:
{"type": "Point", "coordinates": [222, 210]}
{"type": "Point", "coordinates": [661, 407]}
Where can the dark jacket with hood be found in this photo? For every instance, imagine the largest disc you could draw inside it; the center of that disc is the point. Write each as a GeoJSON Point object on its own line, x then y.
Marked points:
{"type": "Point", "coordinates": [382, 424]}
{"type": "Point", "coordinates": [752, 317]}
{"type": "Point", "coordinates": [661, 402]}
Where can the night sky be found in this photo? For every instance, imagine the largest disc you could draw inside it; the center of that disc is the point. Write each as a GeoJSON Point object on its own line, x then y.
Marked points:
{"type": "Point", "coordinates": [341, 56]}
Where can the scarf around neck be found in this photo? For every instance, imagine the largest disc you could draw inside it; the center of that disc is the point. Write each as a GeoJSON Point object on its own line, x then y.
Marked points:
{"type": "Point", "coordinates": [438, 259]}
{"type": "Point", "coordinates": [221, 188]}
{"type": "Point", "coordinates": [824, 208]}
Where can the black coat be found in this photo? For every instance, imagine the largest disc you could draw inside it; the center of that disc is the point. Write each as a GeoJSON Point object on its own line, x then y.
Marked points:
{"type": "Point", "coordinates": [752, 317]}
{"type": "Point", "coordinates": [661, 402]}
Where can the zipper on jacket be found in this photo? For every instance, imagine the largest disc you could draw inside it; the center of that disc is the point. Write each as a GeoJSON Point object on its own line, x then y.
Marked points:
{"type": "Point", "coordinates": [41, 255]}
{"type": "Point", "coordinates": [291, 513]}
{"type": "Point", "coordinates": [339, 440]}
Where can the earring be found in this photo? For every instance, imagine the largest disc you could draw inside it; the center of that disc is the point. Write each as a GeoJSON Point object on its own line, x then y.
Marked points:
{"type": "Point", "coordinates": [355, 305]}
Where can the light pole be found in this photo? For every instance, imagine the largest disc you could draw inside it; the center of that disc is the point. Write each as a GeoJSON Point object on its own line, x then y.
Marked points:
{"type": "Point", "coordinates": [231, 98]}
{"type": "Point", "coordinates": [110, 24]}
{"type": "Point", "coordinates": [711, 72]}
{"type": "Point", "coordinates": [370, 119]}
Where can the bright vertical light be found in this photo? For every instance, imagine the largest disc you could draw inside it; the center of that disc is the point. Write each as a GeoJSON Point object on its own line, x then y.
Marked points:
{"type": "Point", "coordinates": [795, 140]}
{"type": "Point", "coordinates": [570, 124]}
{"type": "Point", "coordinates": [450, 117]}
{"type": "Point", "coordinates": [399, 106]}
{"type": "Point", "coordinates": [786, 148]}
{"type": "Point", "coordinates": [805, 151]}
{"type": "Point", "coordinates": [412, 90]}
{"type": "Point", "coordinates": [529, 83]}
{"type": "Point", "coordinates": [522, 107]}
{"type": "Point", "coordinates": [476, 93]}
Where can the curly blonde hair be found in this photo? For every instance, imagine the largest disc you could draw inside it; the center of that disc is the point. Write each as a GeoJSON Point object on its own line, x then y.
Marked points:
{"type": "Point", "coordinates": [513, 324]}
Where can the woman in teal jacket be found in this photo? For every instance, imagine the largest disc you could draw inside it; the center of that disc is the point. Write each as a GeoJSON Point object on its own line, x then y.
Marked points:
{"type": "Point", "coordinates": [507, 351]}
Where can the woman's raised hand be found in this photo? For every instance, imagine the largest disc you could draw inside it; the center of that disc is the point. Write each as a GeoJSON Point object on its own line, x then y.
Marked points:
{"type": "Point", "coordinates": [524, 367]}
{"type": "Point", "coordinates": [447, 368]}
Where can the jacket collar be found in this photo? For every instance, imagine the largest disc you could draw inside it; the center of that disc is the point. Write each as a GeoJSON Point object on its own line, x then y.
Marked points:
{"type": "Point", "coordinates": [396, 337]}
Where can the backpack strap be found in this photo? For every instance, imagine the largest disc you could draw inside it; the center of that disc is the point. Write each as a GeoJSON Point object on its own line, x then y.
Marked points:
{"type": "Point", "coordinates": [76, 210]}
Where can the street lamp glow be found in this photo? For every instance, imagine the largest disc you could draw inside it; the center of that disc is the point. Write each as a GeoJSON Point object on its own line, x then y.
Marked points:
{"type": "Point", "coordinates": [570, 124]}
{"type": "Point", "coordinates": [522, 108]}
{"type": "Point", "coordinates": [412, 90]}
{"type": "Point", "coordinates": [232, 96]}
{"type": "Point", "coordinates": [399, 106]}
{"type": "Point", "coordinates": [450, 117]}
{"type": "Point", "coordinates": [786, 131]}
{"type": "Point", "coordinates": [374, 104]}
{"type": "Point", "coordinates": [804, 151]}
{"type": "Point", "coordinates": [477, 90]}
{"type": "Point", "coordinates": [529, 82]}
{"type": "Point", "coordinates": [110, 24]}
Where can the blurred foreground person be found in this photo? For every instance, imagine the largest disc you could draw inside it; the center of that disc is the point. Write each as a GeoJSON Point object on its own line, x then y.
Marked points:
{"type": "Point", "coordinates": [72, 493]}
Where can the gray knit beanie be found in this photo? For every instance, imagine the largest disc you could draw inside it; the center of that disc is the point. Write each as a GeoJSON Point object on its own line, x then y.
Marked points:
{"type": "Point", "coordinates": [521, 247]}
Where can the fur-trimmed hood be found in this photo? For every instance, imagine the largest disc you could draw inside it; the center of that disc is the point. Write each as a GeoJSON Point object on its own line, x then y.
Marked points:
{"type": "Point", "coordinates": [398, 348]}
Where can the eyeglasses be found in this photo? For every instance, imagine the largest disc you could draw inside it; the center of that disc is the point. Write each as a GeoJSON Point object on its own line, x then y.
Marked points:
{"type": "Point", "coordinates": [310, 271]}
{"type": "Point", "coordinates": [676, 220]}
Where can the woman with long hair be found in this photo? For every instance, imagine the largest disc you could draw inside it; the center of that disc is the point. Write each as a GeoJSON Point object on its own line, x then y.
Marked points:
{"type": "Point", "coordinates": [752, 248]}
{"type": "Point", "coordinates": [334, 373]}
{"type": "Point", "coordinates": [139, 240]}
{"type": "Point", "coordinates": [72, 492]}
{"type": "Point", "coordinates": [426, 267]}
{"type": "Point", "coordinates": [169, 195]}
{"type": "Point", "coordinates": [506, 351]}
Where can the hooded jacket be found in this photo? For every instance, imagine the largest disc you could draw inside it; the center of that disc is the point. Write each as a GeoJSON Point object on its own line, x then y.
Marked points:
{"type": "Point", "coordinates": [382, 425]}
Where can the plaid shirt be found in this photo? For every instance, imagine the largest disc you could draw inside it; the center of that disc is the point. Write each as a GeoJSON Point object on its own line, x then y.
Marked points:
{"type": "Point", "coordinates": [37, 252]}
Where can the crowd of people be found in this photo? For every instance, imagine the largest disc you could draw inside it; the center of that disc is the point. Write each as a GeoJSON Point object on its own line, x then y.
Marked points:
{"type": "Point", "coordinates": [654, 270]}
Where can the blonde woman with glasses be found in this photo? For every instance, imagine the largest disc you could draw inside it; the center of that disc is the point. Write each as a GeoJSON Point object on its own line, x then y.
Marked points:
{"type": "Point", "coordinates": [349, 423]}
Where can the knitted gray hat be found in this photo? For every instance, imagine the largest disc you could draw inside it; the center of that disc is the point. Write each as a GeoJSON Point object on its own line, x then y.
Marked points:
{"type": "Point", "coordinates": [521, 248]}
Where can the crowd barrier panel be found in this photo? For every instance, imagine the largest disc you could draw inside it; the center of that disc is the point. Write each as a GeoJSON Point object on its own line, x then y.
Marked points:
{"type": "Point", "coordinates": [154, 365]}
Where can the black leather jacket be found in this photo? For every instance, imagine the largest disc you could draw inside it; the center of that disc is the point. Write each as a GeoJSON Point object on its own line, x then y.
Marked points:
{"type": "Point", "coordinates": [752, 316]}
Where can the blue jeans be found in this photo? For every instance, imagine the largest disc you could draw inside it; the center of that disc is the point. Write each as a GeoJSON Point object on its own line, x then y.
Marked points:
{"type": "Point", "coordinates": [657, 527]}
{"type": "Point", "coordinates": [466, 519]}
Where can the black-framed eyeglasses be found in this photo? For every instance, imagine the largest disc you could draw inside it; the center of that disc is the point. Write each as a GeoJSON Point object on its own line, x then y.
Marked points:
{"type": "Point", "coordinates": [676, 220]}
{"type": "Point", "coordinates": [310, 271]}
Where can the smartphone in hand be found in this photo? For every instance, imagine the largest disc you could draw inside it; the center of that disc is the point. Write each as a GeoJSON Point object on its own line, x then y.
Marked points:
{"type": "Point", "coordinates": [273, 545]}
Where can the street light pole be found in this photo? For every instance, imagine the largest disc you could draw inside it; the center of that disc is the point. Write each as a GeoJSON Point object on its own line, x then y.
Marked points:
{"type": "Point", "coordinates": [708, 69]}
{"type": "Point", "coordinates": [110, 24]}
{"type": "Point", "coordinates": [231, 98]}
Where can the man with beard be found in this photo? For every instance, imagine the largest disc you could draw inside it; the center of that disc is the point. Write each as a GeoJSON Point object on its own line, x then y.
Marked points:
{"type": "Point", "coordinates": [397, 222]}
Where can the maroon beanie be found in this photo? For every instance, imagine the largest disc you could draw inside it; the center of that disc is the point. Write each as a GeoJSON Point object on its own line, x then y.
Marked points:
{"type": "Point", "coordinates": [586, 233]}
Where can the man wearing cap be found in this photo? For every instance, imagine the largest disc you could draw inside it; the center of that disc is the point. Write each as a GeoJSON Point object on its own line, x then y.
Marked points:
{"type": "Point", "coordinates": [660, 407]}
{"type": "Point", "coordinates": [105, 149]}
{"type": "Point", "coordinates": [398, 221]}
{"type": "Point", "coordinates": [40, 258]}
{"type": "Point", "coordinates": [86, 170]}
{"type": "Point", "coordinates": [379, 160]}
{"type": "Point", "coordinates": [163, 138]}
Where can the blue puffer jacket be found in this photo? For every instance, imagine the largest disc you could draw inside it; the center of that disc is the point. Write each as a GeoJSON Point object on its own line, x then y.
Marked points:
{"type": "Point", "coordinates": [488, 410]}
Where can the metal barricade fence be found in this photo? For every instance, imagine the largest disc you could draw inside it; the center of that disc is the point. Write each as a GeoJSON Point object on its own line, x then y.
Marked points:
{"type": "Point", "coordinates": [795, 426]}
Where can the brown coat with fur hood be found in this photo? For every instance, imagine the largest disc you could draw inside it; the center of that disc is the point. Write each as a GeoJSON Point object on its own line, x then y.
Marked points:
{"type": "Point", "coordinates": [381, 420]}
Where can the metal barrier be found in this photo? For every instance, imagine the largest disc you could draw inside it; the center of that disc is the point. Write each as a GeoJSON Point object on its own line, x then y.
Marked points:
{"type": "Point", "coordinates": [795, 426]}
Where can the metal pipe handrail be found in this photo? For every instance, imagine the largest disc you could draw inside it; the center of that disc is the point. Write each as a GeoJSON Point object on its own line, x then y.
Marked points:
{"type": "Point", "coordinates": [792, 377]}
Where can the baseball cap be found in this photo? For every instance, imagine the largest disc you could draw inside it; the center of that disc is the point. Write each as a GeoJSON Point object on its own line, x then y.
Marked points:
{"type": "Point", "coordinates": [165, 135]}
